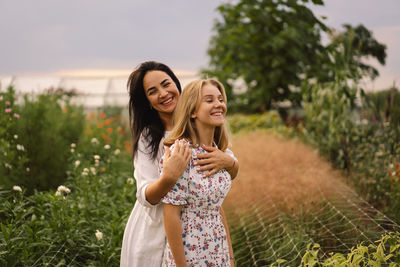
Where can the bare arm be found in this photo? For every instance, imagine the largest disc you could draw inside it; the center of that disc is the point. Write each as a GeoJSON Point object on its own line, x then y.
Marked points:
{"type": "Point", "coordinates": [173, 230]}
{"type": "Point", "coordinates": [228, 236]}
{"type": "Point", "coordinates": [173, 166]}
{"type": "Point", "coordinates": [216, 160]}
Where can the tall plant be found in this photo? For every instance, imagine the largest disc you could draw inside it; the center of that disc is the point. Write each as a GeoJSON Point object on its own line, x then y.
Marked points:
{"type": "Point", "coordinates": [48, 125]}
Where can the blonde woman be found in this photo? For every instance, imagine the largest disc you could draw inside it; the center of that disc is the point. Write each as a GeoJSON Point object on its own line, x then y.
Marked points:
{"type": "Point", "coordinates": [195, 229]}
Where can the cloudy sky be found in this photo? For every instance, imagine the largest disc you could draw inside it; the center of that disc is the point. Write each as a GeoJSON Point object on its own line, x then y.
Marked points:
{"type": "Point", "coordinates": [46, 36]}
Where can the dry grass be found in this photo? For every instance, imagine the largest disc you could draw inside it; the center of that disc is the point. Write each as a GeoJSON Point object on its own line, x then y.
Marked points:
{"type": "Point", "coordinates": [290, 174]}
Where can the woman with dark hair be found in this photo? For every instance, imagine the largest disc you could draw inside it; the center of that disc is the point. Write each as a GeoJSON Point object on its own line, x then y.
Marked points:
{"type": "Point", "coordinates": [154, 91]}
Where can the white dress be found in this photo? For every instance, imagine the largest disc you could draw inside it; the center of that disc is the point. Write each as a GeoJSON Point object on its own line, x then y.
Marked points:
{"type": "Point", "coordinates": [144, 238]}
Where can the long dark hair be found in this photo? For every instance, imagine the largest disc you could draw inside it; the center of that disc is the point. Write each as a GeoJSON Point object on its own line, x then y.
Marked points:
{"type": "Point", "coordinates": [142, 118]}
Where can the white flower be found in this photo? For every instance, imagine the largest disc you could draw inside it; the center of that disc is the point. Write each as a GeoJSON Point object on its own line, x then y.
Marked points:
{"type": "Point", "coordinates": [99, 235]}
{"type": "Point", "coordinates": [64, 189]}
{"type": "Point", "coordinates": [20, 147]}
{"type": "Point", "coordinates": [107, 146]}
{"type": "Point", "coordinates": [93, 170]}
{"type": "Point", "coordinates": [73, 145]}
{"type": "Point", "coordinates": [96, 163]}
{"type": "Point", "coordinates": [129, 180]}
{"type": "Point", "coordinates": [72, 150]}
{"type": "Point", "coordinates": [94, 141]}
{"type": "Point", "coordinates": [77, 163]}
{"type": "Point", "coordinates": [117, 151]}
{"type": "Point", "coordinates": [96, 157]}
{"type": "Point", "coordinates": [33, 217]}
{"type": "Point", "coordinates": [58, 193]}
{"type": "Point", "coordinates": [27, 169]}
{"type": "Point", "coordinates": [394, 174]}
{"type": "Point", "coordinates": [17, 188]}
{"type": "Point", "coordinates": [15, 136]}
{"type": "Point", "coordinates": [8, 166]}
{"type": "Point", "coordinates": [85, 171]}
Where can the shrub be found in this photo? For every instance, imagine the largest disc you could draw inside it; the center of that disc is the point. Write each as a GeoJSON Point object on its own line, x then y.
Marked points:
{"type": "Point", "coordinates": [46, 128]}
{"type": "Point", "coordinates": [386, 251]}
{"type": "Point", "coordinates": [269, 121]}
{"type": "Point", "coordinates": [13, 155]}
{"type": "Point", "coordinates": [79, 224]}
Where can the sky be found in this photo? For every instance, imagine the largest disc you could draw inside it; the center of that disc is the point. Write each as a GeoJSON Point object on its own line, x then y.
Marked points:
{"type": "Point", "coordinates": [47, 36]}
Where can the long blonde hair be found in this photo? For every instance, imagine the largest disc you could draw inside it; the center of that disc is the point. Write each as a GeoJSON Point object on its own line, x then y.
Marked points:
{"type": "Point", "coordinates": [189, 103]}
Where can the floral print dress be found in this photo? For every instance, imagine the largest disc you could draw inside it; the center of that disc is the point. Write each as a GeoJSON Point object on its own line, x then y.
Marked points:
{"type": "Point", "coordinates": [203, 233]}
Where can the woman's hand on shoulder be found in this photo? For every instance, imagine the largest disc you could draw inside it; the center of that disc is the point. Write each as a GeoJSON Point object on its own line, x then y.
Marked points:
{"type": "Point", "coordinates": [175, 162]}
{"type": "Point", "coordinates": [213, 161]}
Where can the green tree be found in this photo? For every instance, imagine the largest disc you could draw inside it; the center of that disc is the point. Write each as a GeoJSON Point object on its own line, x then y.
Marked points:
{"type": "Point", "coordinates": [269, 44]}
{"type": "Point", "coordinates": [357, 43]}
{"type": "Point", "coordinates": [270, 48]}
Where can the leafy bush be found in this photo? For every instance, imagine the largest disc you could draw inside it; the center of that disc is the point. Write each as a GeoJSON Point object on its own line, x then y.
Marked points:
{"type": "Point", "coordinates": [80, 224]}
{"type": "Point", "coordinates": [46, 127]}
{"type": "Point", "coordinates": [355, 141]}
{"type": "Point", "coordinates": [387, 251]}
{"type": "Point", "coordinates": [385, 106]}
{"type": "Point", "coordinates": [269, 121]}
{"type": "Point", "coordinates": [329, 119]}
{"type": "Point", "coordinates": [13, 155]}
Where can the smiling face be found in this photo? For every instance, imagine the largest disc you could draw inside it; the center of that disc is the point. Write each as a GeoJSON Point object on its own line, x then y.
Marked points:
{"type": "Point", "coordinates": [212, 109]}
{"type": "Point", "coordinates": [161, 91]}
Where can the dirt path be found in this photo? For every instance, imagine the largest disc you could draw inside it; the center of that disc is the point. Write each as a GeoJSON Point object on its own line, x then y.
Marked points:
{"type": "Point", "coordinates": [287, 172]}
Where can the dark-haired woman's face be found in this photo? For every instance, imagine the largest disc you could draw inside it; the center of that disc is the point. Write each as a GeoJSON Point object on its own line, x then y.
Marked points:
{"type": "Point", "coordinates": [161, 91]}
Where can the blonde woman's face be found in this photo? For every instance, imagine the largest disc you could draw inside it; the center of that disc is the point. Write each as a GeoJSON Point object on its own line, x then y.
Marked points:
{"type": "Point", "coordinates": [212, 109]}
{"type": "Point", "coordinates": [161, 91]}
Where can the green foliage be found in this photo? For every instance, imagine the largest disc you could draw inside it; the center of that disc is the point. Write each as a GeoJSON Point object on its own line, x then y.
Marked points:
{"type": "Point", "coordinates": [385, 106]}
{"type": "Point", "coordinates": [262, 239]}
{"type": "Point", "coordinates": [329, 118]}
{"type": "Point", "coordinates": [268, 44]}
{"type": "Point", "coordinates": [13, 156]}
{"type": "Point", "coordinates": [80, 224]}
{"type": "Point", "coordinates": [355, 141]}
{"type": "Point", "coordinates": [387, 251]}
{"type": "Point", "coordinates": [263, 50]}
{"type": "Point", "coordinates": [48, 124]}
{"type": "Point", "coordinates": [355, 43]}
{"type": "Point", "coordinates": [373, 153]}
{"type": "Point", "coordinates": [269, 121]}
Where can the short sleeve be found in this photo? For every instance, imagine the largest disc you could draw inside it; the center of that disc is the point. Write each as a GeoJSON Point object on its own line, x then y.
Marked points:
{"type": "Point", "coordinates": [230, 153]}
{"type": "Point", "coordinates": [178, 194]}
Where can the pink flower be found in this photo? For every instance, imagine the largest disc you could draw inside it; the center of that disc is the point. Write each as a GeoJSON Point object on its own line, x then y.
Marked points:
{"type": "Point", "coordinates": [8, 110]}
{"type": "Point", "coordinates": [16, 115]}
{"type": "Point", "coordinates": [8, 103]}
